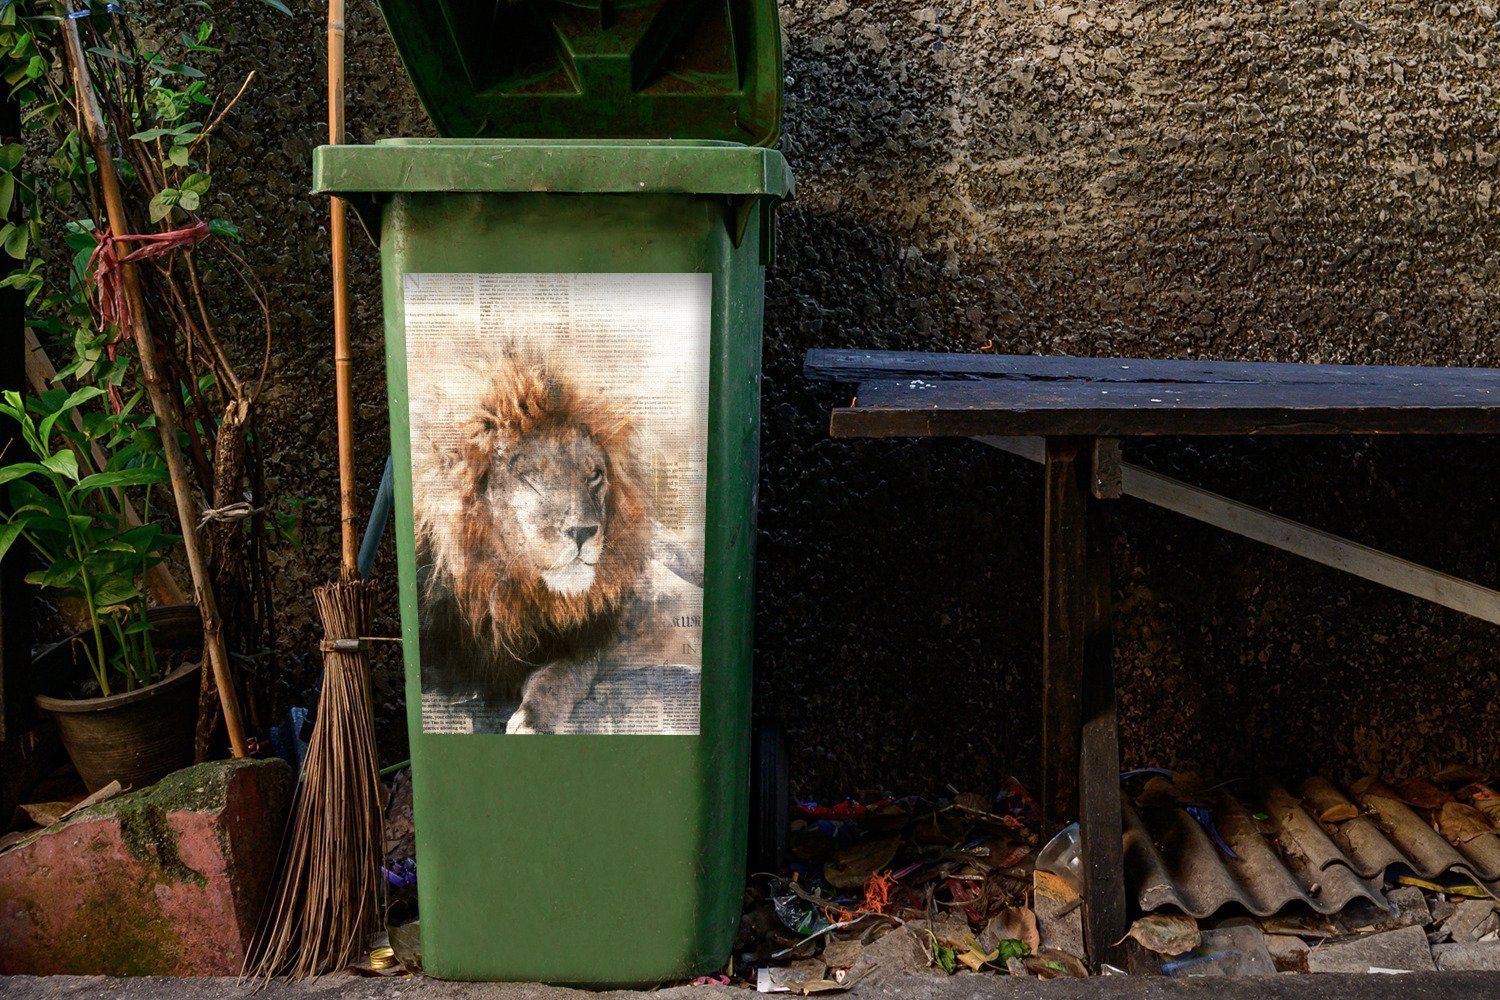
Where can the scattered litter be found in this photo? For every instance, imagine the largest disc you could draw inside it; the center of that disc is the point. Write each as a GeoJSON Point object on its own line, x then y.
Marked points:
{"type": "Point", "coordinates": [793, 978]}
{"type": "Point", "coordinates": [380, 961]}
{"type": "Point", "coordinates": [888, 886]}
{"type": "Point", "coordinates": [1063, 857]}
{"type": "Point", "coordinates": [1241, 879]}
{"type": "Point", "coordinates": [1453, 887]}
{"type": "Point", "coordinates": [1239, 950]}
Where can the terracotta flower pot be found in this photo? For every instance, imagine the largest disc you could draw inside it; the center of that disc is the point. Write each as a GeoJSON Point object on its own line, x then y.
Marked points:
{"type": "Point", "coordinates": [137, 737]}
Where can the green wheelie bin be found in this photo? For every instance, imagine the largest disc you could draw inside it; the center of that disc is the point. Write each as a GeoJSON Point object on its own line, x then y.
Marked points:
{"type": "Point", "coordinates": [573, 288]}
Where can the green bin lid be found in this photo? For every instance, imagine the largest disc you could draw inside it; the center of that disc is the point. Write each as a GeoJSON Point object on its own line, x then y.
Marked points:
{"type": "Point", "coordinates": [646, 69]}
{"type": "Point", "coordinates": [567, 166]}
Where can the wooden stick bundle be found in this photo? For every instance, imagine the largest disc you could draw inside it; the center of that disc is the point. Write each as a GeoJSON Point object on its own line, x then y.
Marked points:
{"type": "Point", "coordinates": [156, 388]}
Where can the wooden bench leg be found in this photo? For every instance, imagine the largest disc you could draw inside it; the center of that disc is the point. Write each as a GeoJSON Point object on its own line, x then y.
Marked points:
{"type": "Point", "coordinates": [1099, 768]}
{"type": "Point", "coordinates": [1081, 754]}
{"type": "Point", "coordinates": [1064, 557]}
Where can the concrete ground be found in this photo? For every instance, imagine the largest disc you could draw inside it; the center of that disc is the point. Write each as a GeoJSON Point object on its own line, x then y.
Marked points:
{"type": "Point", "coordinates": [1418, 986]}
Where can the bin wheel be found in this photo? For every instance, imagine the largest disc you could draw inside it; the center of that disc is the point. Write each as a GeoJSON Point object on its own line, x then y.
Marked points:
{"type": "Point", "coordinates": [770, 797]}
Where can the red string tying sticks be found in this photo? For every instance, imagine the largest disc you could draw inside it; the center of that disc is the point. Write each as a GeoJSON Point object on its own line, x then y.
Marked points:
{"type": "Point", "coordinates": [107, 263]}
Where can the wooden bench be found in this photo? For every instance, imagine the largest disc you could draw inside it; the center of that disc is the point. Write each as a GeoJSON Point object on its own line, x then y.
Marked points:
{"type": "Point", "coordinates": [1069, 414]}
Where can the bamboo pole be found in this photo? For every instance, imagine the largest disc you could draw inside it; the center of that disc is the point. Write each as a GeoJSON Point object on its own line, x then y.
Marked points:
{"type": "Point", "coordinates": [39, 373]}
{"type": "Point", "coordinates": [343, 355]}
{"type": "Point", "coordinates": [166, 416]}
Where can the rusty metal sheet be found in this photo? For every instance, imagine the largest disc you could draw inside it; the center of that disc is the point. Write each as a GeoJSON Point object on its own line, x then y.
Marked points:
{"type": "Point", "coordinates": [1324, 849]}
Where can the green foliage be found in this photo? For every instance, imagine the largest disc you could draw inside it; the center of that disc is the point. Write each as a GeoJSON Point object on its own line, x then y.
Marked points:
{"type": "Point", "coordinates": [77, 525]}
{"type": "Point", "coordinates": [169, 110]}
{"type": "Point", "coordinates": [161, 111]}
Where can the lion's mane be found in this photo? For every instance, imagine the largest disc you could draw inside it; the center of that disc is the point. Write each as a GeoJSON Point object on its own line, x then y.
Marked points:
{"type": "Point", "coordinates": [487, 619]}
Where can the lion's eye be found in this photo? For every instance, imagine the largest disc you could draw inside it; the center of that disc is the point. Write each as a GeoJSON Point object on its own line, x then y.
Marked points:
{"type": "Point", "coordinates": [597, 479]}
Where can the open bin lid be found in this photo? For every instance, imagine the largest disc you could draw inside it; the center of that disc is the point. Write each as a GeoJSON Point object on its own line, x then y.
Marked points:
{"type": "Point", "coordinates": [638, 69]}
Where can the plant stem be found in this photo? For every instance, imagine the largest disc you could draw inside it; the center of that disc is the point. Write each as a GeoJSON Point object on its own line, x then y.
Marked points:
{"type": "Point", "coordinates": [100, 666]}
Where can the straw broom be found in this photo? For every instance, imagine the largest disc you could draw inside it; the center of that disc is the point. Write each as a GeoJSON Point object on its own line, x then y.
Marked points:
{"type": "Point", "coordinates": [327, 896]}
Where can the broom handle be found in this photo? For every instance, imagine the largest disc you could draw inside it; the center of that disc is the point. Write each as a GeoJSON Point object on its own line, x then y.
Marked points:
{"type": "Point", "coordinates": [166, 416]}
{"type": "Point", "coordinates": [343, 357]}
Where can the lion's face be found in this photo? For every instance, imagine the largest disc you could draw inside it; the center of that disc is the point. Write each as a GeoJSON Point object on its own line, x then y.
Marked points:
{"type": "Point", "coordinates": [550, 496]}
{"type": "Point", "coordinates": [533, 518]}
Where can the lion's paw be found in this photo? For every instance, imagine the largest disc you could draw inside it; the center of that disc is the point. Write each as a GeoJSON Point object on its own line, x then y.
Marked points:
{"type": "Point", "coordinates": [520, 723]}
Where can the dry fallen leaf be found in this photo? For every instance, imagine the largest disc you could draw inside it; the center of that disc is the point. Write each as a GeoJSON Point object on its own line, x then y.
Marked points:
{"type": "Point", "coordinates": [48, 813]}
{"type": "Point", "coordinates": [1460, 824]}
{"type": "Point", "coordinates": [1017, 923]}
{"type": "Point", "coordinates": [1052, 963]}
{"type": "Point", "coordinates": [1054, 887]}
{"type": "Point", "coordinates": [973, 801]}
{"type": "Point", "coordinates": [1458, 774]}
{"type": "Point", "coordinates": [1485, 799]}
{"type": "Point", "coordinates": [104, 794]}
{"type": "Point", "coordinates": [841, 954]}
{"type": "Point", "coordinates": [45, 813]}
{"type": "Point", "coordinates": [1326, 802]}
{"type": "Point", "coordinates": [1339, 812]}
{"type": "Point", "coordinates": [1370, 787]}
{"type": "Point", "coordinates": [1423, 794]}
{"type": "Point", "coordinates": [852, 866]}
{"type": "Point", "coordinates": [1166, 933]}
{"type": "Point", "coordinates": [1158, 791]}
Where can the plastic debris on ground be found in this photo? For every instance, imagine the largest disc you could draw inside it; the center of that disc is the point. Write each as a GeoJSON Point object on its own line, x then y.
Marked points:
{"type": "Point", "coordinates": [881, 886]}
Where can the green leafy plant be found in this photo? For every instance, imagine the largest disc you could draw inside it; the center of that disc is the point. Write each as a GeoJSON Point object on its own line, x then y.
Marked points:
{"type": "Point", "coordinates": [78, 526]}
{"type": "Point", "coordinates": [208, 313]}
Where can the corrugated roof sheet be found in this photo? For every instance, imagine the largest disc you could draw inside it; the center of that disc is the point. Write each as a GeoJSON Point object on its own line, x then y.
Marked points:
{"type": "Point", "coordinates": [1290, 856]}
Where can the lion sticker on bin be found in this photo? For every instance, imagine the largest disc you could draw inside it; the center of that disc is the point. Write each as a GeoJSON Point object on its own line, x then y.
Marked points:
{"type": "Point", "coordinates": [552, 596]}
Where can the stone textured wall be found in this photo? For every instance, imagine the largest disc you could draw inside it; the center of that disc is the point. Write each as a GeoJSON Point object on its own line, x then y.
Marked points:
{"type": "Point", "coordinates": [1305, 181]}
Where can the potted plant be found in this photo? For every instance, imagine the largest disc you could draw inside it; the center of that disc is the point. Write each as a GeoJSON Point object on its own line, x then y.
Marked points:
{"type": "Point", "coordinates": [122, 690]}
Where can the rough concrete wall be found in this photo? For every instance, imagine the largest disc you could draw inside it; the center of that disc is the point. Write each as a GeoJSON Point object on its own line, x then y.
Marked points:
{"type": "Point", "coordinates": [1307, 181]}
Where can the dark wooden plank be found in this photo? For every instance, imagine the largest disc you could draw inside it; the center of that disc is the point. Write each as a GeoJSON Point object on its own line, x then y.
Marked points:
{"type": "Point", "coordinates": [1064, 591]}
{"type": "Point", "coordinates": [1100, 826]}
{"type": "Point", "coordinates": [865, 366]}
{"type": "Point", "coordinates": [929, 408]}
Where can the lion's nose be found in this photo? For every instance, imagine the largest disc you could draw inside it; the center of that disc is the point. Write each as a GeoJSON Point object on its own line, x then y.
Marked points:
{"type": "Point", "coordinates": [582, 533]}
